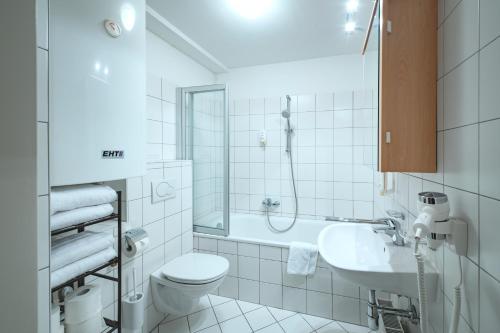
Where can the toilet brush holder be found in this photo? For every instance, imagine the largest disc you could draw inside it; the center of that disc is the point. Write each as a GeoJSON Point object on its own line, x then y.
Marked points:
{"type": "Point", "coordinates": [133, 313]}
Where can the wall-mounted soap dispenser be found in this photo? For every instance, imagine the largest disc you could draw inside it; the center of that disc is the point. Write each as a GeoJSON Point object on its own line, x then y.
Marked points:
{"type": "Point", "coordinates": [97, 90]}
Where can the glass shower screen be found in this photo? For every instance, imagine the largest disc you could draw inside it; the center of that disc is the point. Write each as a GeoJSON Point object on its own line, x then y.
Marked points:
{"type": "Point", "coordinates": [203, 137]}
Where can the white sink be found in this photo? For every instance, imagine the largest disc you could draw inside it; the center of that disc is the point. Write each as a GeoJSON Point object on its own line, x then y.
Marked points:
{"type": "Point", "coordinates": [370, 259]}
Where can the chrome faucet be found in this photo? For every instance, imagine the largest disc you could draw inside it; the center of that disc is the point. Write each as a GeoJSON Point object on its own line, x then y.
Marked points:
{"type": "Point", "coordinates": [392, 227]}
{"type": "Point", "coordinates": [268, 203]}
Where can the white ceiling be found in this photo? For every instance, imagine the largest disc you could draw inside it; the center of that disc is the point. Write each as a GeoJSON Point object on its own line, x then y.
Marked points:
{"type": "Point", "coordinates": [292, 30]}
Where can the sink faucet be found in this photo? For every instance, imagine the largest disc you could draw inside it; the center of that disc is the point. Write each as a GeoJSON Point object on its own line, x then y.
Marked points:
{"type": "Point", "coordinates": [392, 227]}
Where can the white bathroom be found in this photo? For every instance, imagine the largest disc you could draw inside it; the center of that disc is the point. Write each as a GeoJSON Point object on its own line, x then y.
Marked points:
{"type": "Point", "coordinates": [234, 166]}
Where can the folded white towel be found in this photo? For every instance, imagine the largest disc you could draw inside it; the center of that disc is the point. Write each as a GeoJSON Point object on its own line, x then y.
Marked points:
{"type": "Point", "coordinates": [70, 197]}
{"type": "Point", "coordinates": [81, 266]}
{"type": "Point", "coordinates": [302, 258]}
{"type": "Point", "coordinates": [72, 248]}
{"type": "Point", "coordinates": [71, 217]}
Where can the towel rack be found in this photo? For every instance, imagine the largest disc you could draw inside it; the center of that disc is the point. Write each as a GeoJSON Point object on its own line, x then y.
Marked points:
{"type": "Point", "coordinates": [114, 325]}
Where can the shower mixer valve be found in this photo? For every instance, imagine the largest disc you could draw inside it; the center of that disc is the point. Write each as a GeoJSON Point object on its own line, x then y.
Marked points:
{"type": "Point", "coordinates": [269, 203]}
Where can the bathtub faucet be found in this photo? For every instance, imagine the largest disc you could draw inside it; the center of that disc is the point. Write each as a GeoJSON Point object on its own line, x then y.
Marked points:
{"type": "Point", "coordinates": [269, 203]}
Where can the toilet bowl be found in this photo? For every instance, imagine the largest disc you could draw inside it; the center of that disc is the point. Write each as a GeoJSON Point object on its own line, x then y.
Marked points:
{"type": "Point", "coordinates": [177, 286]}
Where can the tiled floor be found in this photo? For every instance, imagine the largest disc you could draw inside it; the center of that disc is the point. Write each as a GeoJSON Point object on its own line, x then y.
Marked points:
{"type": "Point", "coordinates": [217, 314]}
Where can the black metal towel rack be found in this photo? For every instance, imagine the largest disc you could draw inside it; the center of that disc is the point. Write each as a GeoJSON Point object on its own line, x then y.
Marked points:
{"type": "Point", "coordinates": [78, 281]}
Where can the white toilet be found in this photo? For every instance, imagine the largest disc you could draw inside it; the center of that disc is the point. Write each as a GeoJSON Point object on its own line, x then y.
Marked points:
{"type": "Point", "coordinates": [177, 286]}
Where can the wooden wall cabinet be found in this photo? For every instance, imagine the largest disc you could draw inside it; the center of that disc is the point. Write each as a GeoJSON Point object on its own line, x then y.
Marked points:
{"type": "Point", "coordinates": [408, 86]}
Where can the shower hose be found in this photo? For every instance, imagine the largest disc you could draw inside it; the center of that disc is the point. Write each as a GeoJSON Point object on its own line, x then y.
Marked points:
{"type": "Point", "coordinates": [273, 228]}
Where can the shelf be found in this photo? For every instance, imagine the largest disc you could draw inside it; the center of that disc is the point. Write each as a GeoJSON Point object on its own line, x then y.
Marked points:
{"type": "Point", "coordinates": [83, 225]}
{"type": "Point", "coordinates": [93, 272]}
{"type": "Point", "coordinates": [114, 325]}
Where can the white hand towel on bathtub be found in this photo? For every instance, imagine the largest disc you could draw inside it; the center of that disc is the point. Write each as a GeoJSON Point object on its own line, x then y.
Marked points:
{"type": "Point", "coordinates": [75, 216]}
{"type": "Point", "coordinates": [69, 249]}
{"type": "Point", "coordinates": [71, 197]}
{"type": "Point", "coordinates": [81, 266]}
{"type": "Point", "coordinates": [302, 258]}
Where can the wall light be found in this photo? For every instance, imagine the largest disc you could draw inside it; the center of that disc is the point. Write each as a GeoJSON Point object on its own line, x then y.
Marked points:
{"type": "Point", "coordinates": [352, 6]}
{"type": "Point", "coordinates": [251, 9]}
{"type": "Point", "coordinates": [128, 16]}
{"type": "Point", "coordinates": [350, 26]}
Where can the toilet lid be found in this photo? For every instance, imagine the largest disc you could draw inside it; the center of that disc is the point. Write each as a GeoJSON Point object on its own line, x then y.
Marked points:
{"type": "Point", "coordinates": [196, 268]}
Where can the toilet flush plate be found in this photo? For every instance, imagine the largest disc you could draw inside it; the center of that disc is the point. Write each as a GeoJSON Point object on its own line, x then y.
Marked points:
{"type": "Point", "coordinates": [162, 190]}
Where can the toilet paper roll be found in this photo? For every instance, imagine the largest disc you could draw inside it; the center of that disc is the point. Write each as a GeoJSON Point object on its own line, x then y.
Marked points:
{"type": "Point", "coordinates": [55, 319]}
{"type": "Point", "coordinates": [135, 242]}
{"type": "Point", "coordinates": [82, 304]}
{"type": "Point", "coordinates": [91, 325]}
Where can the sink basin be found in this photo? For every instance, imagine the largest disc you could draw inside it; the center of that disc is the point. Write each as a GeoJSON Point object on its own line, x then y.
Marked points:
{"type": "Point", "coordinates": [370, 259]}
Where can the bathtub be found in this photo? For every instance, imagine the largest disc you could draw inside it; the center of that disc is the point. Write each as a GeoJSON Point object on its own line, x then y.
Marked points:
{"type": "Point", "coordinates": [258, 269]}
{"type": "Point", "coordinates": [253, 228]}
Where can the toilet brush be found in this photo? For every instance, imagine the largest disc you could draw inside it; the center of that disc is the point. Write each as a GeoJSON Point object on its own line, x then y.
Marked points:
{"type": "Point", "coordinates": [133, 309]}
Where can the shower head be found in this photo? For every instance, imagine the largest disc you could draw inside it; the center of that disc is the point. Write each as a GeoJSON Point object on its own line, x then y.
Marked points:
{"type": "Point", "coordinates": [286, 113]}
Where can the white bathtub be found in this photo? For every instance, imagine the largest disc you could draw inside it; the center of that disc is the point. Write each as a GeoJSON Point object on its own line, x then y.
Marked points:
{"type": "Point", "coordinates": [252, 228]}
{"type": "Point", "coordinates": [258, 269]}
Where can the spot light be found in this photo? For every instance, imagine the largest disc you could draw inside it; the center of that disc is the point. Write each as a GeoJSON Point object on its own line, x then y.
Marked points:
{"type": "Point", "coordinates": [251, 9]}
{"type": "Point", "coordinates": [350, 26]}
{"type": "Point", "coordinates": [352, 6]}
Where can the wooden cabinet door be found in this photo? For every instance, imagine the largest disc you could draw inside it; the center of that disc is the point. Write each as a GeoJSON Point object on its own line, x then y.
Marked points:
{"type": "Point", "coordinates": [408, 87]}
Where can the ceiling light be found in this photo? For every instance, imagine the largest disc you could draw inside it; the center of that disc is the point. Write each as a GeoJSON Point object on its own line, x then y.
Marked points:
{"type": "Point", "coordinates": [352, 6]}
{"type": "Point", "coordinates": [350, 26]}
{"type": "Point", "coordinates": [251, 9]}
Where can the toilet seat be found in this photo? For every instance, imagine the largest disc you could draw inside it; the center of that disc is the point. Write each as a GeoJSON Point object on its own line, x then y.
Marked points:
{"type": "Point", "coordinates": [195, 269]}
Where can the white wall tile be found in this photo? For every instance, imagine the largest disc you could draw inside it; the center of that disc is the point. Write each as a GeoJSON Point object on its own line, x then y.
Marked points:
{"type": "Point", "coordinates": [152, 260]}
{"type": "Point", "coordinates": [168, 91]}
{"type": "Point", "coordinates": [43, 301]}
{"type": "Point", "coordinates": [346, 309]}
{"type": "Point", "coordinates": [270, 271]}
{"type": "Point", "coordinates": [229, 287]}
{"type": "Point", "coordinates": [489, 294]}
{"type": "Point", "coordinates": [248, 290]}
{"type": "Point", "coordinates": [154, 131]}
{"type": "Point", "coordinates": [460, 158]}
{"type": "Point", "coordinates": [271, 294]}
{"type": "Point", "coordinates": [343, 100]}
{"type": "Point", "coordinates": [152, 212]}
{"type": "Point", "coordinates": [489, 246]}
{"type": "Point", "coordinates": [294, 299]}
{"type": "Point", "coordinates": [489, 159]}
{"type": "Point", "coordinates": [168, 112]}
{"type": "Point", "coordinates": [257, 106]}
{"type": "Point", "coordinates": [321, 280]}
{"type": "Point", "coordinates": [461, 94]}
{"type": "Point", "coordinates": [42, 78]}
{"type": "Point", "coordinates": [470, 298]}
{"type": "Point", "coordinates": [342, 287]}
{"type": "Point", "coordinates": [153, 85]}
{"type": "Point", "coordinates": [461, 34]}
{"type": "Point", "coordinates": [42, 157]}
{"type": "Point", "coordinates": [208, 244]}
{"type": "Point", "coordinates": [270, 252]}
{"type": "Point", "coordinates": [489, 25]}
{"type": "Point", "coordinates": [173, 249]}
{"type": "Point", "coordinates": [319, 304]}
{"type": "Point", "coordinates": [153, 109]}
{"type": "Point", "coordinates": [43, 227]}
{"type": "Point", "coordinates": [248, 268]}
{"type": "Point", "coordinates": [324, 101]}
{"type": "Point", "coordinates": [224, 246]}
